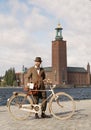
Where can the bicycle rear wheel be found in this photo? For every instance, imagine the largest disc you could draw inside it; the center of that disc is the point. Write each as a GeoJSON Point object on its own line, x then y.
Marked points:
{"type": "Point", "coordinates": [62, 106]}
{"type": "Point", "coordinates": [15, 104]}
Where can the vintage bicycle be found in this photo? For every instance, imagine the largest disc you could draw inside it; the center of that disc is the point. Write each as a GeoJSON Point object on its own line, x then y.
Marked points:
{"type": "Point", "coordinates": [61, 105]}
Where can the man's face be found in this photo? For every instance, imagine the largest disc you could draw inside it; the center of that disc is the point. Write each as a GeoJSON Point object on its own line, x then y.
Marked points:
{"type": "Point", "coordinates": [37, 64]}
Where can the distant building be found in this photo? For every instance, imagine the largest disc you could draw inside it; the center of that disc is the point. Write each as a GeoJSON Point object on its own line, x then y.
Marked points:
{"type": "Point", "coordinates": [20, 76]}
{"type": "Point", "coordinates": [59, 73]}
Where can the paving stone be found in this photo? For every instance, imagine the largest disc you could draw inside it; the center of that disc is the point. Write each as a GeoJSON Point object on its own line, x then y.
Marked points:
{"type": "Point", "coordinates": [80, 121]}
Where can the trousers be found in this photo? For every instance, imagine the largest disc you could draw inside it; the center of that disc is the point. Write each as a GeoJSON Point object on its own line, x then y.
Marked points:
{"type": "Point", "coordinates": [42, 96]}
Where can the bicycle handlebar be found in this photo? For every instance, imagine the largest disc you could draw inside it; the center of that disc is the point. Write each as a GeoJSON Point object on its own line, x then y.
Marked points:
{"type": "Point", "coordinates": [52, 86]}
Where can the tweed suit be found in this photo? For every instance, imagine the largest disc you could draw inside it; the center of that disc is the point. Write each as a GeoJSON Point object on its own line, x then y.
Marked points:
{"type": "Point", "coordinates": [33, 76]}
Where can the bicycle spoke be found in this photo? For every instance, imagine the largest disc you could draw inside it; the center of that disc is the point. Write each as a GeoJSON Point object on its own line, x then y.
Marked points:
{"type": "Point", "coordinates": [15, 106]}
{"type": "Point", "coordinates": [62, 106]}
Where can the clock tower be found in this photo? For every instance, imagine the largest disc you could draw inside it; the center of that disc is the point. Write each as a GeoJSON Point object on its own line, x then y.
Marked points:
{"type": "Point", "coordinates": [59, 58]}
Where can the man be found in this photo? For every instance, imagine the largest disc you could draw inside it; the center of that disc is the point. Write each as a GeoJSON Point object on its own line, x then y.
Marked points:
{"type": "Point", "coordinates": [36, 75]}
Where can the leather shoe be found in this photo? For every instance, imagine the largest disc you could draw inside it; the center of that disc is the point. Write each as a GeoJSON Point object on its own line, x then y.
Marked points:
{"type": "Point", "coordinates": [36, 116]}
{"type": "Point", "coordinates": [43, 115]}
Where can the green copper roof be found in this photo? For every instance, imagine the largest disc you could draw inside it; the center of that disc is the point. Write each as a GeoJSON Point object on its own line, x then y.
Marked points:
{"type": "Point", "coordinates": [76, 69]}
{"type": "Point", "coordinates": [48, 69]}
{"type": "Point", "coordinates": [58, 32]}
{"type": "Point", "coordinates": [69, 69]}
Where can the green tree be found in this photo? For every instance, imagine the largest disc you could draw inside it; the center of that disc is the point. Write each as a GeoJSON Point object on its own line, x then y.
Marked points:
{"type": "Point", "coordinates": [10, 77]}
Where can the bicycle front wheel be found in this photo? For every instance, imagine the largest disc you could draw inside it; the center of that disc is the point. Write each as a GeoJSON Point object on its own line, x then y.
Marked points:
{"type": "Point", "coordinates": [62, 106]}
{"type": "Point", "coordinates": [15, 104]}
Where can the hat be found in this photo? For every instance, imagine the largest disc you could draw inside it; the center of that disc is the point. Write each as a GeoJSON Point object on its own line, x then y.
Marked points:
{"type": "Point", "coordinates": [38, 59]}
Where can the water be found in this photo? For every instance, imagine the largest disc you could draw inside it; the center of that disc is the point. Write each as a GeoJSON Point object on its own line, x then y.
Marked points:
{"type": "Point", "coordinates": [76, 93]}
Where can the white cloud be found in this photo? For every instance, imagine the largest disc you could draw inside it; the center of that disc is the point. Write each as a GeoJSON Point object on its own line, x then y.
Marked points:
{"type": "Point", "coordinates": [17, 7]}
{"type": "Point", "coordinates": [7, 21]}
{"type": "Point", "coordinates": [35, 21]}
{"type": "Point", "coordinates": [27, 29]}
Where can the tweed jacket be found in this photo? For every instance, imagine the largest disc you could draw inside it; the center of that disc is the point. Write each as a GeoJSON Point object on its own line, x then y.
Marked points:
{"type": "Point", "coordinates": [33, 76]}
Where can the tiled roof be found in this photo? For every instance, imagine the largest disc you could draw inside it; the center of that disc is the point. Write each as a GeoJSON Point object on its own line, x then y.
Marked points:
{"type": "Point", "coordinates": [76, 69]}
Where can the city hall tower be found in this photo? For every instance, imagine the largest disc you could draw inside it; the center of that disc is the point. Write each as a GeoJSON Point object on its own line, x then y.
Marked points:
{"type": "Point", "coordinates": [59, 58]}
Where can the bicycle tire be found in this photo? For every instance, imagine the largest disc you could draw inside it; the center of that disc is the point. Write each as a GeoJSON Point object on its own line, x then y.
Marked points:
{"type": "Point", "coordinates": [14, 104]}
{"type": "Point", "coordinates": [62, 106]}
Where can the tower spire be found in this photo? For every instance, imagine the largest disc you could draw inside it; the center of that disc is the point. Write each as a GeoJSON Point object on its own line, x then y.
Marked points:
{"type": "Point", "coordinates": [58, 32]}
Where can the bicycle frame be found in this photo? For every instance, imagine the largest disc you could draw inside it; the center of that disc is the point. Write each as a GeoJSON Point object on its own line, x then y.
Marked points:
{"type": "Point", "coordinates": [50, 95]}
{"type": "Point", "coordinates": [36, 108]}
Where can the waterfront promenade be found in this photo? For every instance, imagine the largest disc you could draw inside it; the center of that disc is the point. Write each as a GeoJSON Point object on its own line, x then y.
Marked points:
{"type": "Point", "coordinates": [80, 121]}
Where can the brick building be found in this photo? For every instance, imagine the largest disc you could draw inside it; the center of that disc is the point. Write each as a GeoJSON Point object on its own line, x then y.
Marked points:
{"type": "Point", "coordinates": [59, 73]}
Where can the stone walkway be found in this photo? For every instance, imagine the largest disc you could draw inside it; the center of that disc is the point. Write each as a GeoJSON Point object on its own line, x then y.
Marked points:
{"type": "Point", "coordinates": [80, 121]}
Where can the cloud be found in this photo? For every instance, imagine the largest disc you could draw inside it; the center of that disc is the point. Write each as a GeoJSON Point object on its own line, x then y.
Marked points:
{"type": "Point", "coordinates": [28, 27]}
{"type": "Point", "coordinates": [17, 7]}
{"type": "Point", "coordinates": [35, 21]}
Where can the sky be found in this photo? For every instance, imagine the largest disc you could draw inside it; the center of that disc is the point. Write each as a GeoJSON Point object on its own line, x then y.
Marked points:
{"type": "Point", "coordinates": [27, 29]}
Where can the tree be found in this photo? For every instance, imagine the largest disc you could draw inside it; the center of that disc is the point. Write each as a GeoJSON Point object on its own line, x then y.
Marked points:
{"type": "Point", "coordinates": [10, 77]}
